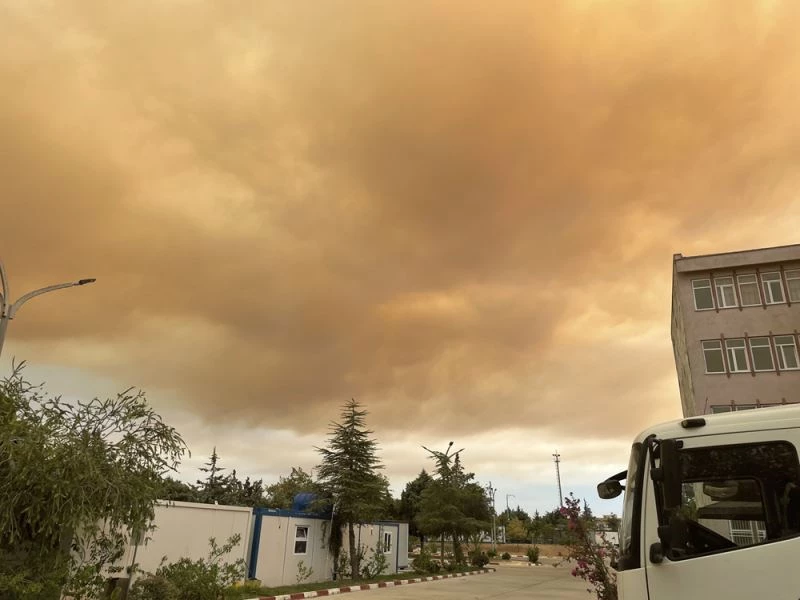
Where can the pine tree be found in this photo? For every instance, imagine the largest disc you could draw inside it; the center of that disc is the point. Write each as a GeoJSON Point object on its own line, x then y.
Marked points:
{"type": "Point", "coordinates": [212, 488]}
{"type": "Point", "coordinates": [350, 475]}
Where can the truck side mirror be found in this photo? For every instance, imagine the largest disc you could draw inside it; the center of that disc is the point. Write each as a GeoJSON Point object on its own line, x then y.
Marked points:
{"type": "Point", "coordinates": [671, 473]}
{"type": "Point", "coordinates": [609, 489]}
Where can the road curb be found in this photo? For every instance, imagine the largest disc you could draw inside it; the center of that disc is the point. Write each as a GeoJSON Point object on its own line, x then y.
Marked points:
{"type": "Point", "coordinates": [368, 586]}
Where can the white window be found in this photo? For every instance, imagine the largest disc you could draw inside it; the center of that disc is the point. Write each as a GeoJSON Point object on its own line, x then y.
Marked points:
{"type": "Point", "coordinates": [387, 542]}
{"type": "Point", "coordinates": [786, 350]}
{"type": "Point", "coordinates": [712, 351]}
{"type": "Point", "coordinates": [703, 299]}
{"type": "Point", "coordinates": [726, 294]}
{"type": "Point", "coordinates": [761, 353]}
{"type": "Point", "coordinates": [300, 539]}
{"type": "Point", "coordinates": [793, 285]}
{"type": "Point", "coordinates": [773, 288]}
{"type": "Point", "coordinates": [737, 356]}
{"type": "Point", "coordinates": [748, 290]}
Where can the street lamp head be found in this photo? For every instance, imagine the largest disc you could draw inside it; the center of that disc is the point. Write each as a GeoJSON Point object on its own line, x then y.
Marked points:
{"type": "Point", "coordinates": [85, 281]}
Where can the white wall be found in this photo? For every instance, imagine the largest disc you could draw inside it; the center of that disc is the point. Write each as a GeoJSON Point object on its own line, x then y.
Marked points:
{"type": "Point", "coordinates": [182, 530]}
{"type": "Point", "coordinates": [277, 563]}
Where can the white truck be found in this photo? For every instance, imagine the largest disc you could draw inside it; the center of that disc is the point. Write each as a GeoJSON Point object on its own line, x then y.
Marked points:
{"type": "Point", "coordinates": [712, 509]}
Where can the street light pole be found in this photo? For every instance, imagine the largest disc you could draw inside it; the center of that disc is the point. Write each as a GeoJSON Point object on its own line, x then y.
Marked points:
{"type": "Point", "coordinates": [8, 309]}
{"type": "Point", "coordinates": [492, 492]}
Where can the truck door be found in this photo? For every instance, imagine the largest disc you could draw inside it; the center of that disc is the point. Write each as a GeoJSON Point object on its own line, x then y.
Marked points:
{"type": "Point", "coordinates": [732, 532]}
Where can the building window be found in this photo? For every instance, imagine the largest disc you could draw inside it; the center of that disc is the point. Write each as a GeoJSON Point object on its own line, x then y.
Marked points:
{"type": "Point", "coordinates": [712, 351]}
{"type": "Point", "coordinates": [737, 356]}
{"type": "Point", "coordinates": [703, 298]}
{"type": "Point", "coordinates": [726, 294]}
{"type": "Point", "coordinates": [773, 288]}
{"type": "Point", "coordinates": [761, 353]}
{"type": "Point", "coordinates": [387, 541]}
{"type": "Point", "coordinates": [300, 540]}
{"type": "Point", "coordinates": [793, 285]}
{"type": "Point", "coordinates": [748, 290]}
{"type": "Point", "coordinates": [721, 408]}
{"type": "Point", "coordinates": [787, 352]}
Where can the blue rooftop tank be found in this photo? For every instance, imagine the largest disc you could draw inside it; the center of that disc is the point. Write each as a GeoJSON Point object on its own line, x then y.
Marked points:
{"type": "Point", "coordinates": [302, 502]}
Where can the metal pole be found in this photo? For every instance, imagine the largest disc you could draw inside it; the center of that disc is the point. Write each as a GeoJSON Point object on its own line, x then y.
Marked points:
{"type": "Point", "coordinates": [508, 510]}
{"type": "Point", "coordinates": [557, 460]}
{"type": "Point", "coordinates": [492, 492]}
{"type": "Point", "coordinates": [8, 309]}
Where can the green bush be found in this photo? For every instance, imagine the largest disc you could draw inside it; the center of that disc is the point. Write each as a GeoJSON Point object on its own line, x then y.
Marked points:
{"type": "Point", "coordinates": [533, 554]}
{"type": "Point", "coordinates": [423, 563]}
{"type": "Point", "coordinates": [506, 556]}
{"type": "Point", "coordinates": [204, 579]}
{"type": "Point", "coordinates": [491, 553]}
{"type": "Point", "coordinates": [478, 559]}
{"type": "Point", "coordinates": [153, 587]}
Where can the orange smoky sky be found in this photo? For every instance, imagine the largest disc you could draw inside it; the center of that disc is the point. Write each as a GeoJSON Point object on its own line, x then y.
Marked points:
{"type": "Point", "coordinates": [460, 213]}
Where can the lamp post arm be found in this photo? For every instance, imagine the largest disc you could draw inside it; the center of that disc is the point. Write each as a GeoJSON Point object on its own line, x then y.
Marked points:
{"type": "Point", "coordinates": [23, 299]}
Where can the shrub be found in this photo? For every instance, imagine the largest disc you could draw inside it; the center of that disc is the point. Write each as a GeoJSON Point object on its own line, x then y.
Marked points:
{"type": "Point", "coordinates": [303, 572]}
{"type": "Point", "coordinates": [376, 565]}
{"type": "Point", "coordinates": [423, 563]}
{"type": "Point", "coordinates": [153, 587]}
{"type": "Point", "coordinates": [478, 559]}
{"type": "Point", "coordinates": [506, 556]}
{"type": "Point", "coordinates": [533, 554]}
{"type": "Point", "coordinates": [204, 579]}
{"type": "Point", "coordinates": [491, 553]}
{"type": "Point", "coordinates": [592, 561]}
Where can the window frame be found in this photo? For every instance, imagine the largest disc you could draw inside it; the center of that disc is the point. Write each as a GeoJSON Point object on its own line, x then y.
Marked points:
{"type": "Point", "coordinates": [720, 295]}
{"type": "Point", "coordinates": [791, 275]}
{"type": "Point", "coordinates": [721, 350]}
{"type": "Point", "coordinates": [765, 284]}
{"type": "Point", "coordinates": [753, 282]}
{"type": "Point", "coordinates": [764, 477]}
{"type": "Point", "coordinates": [768, 346]}
{"type": "Point", "coordinates": [298, 539]}
{"type": "Point", "coordinates": [387, 546]}
{"type": "Point", "coordinates": [710, 290]}
{"type": "Point", "coordinates": [779, 352]}
{"type": "Point", "coordinates": [732, 357]}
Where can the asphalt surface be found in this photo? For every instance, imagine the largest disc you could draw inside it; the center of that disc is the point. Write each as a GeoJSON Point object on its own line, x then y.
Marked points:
{"type": "Point", "coordinates": [514, 581]}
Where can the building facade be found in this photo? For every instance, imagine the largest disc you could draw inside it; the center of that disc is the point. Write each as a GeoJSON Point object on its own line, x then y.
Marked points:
{"type": "Point", "coordinates": [735, 322]}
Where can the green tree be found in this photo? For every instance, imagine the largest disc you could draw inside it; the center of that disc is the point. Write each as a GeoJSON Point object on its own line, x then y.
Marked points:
{"type": "Point", "coordinates": [453, 504]}
{"type": "Point", "coordinates": [516, 531]}
{"type": "Point", "coordinates": [173, 489]}
{"type": "Point", "coordinates": [76, 479]}
{"type": "Point", "coordinates": [350, 476]}
{"type": "Point", "coordinates": [410, 501]}
{"type": "Point", "coordinates": [282, 493]}
{"type": "Point", "coordinates": [212, 489]}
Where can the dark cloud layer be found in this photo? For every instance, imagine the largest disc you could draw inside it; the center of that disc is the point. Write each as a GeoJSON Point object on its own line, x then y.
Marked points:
{"type": "Point", "coordinates": [453, 212]}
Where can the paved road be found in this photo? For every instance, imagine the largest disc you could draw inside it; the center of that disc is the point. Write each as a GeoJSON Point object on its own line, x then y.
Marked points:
{"type": "Point", "coordinates": [507, 583]}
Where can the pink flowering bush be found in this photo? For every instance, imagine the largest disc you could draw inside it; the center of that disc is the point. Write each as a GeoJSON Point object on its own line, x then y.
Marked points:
{"type": "Point", "coordinates": [592, 560]}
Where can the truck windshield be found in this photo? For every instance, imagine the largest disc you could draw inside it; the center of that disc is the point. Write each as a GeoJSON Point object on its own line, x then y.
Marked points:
{"type": "Point", "coordinates": [629, 528]}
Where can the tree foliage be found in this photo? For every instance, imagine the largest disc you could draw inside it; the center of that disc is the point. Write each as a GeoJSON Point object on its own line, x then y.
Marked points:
{"type": "Point", "coordinates": [350, 475]}
{"type": "Point", "coordinates": [410, 501]}
{"type": "Point", "coordinates": [282, 493]}
{"type": "Point", "coordinates": [453, 505]}
{"type": "Point", "coordinates": [75, 478]}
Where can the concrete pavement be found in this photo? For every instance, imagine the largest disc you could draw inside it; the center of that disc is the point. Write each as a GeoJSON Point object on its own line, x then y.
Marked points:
{"type": "Point", "coordinates": [515, 581]}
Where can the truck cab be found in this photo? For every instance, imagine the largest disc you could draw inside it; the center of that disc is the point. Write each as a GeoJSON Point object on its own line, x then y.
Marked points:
{"type": "Point", "coordinates": [712, 509]}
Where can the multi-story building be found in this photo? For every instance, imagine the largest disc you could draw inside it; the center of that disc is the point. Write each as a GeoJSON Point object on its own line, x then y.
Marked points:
{"type": "Point", "coordinates": [735, 321]}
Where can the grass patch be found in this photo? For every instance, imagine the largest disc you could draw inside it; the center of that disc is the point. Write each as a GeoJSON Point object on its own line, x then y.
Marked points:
{"type": "Point", "coordinates": [250, 591]}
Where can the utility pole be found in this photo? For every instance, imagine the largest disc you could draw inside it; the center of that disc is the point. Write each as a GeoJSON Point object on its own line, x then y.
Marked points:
{"type": "Point", "coordinates": [508, 510]}
{"type": "Point", "coordinates": [557, 460]}
{"type": "Point", "coordinates": [492, 491]}
{"type": "Point", "coordinates": [9, 309]}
